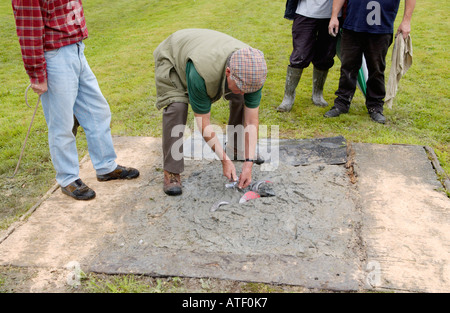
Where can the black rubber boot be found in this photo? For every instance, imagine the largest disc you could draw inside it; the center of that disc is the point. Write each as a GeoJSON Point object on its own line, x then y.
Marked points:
{"type": "Point", "coordinates": [120, 172]}
{"type": "Point", "coordinates": [78, 190]}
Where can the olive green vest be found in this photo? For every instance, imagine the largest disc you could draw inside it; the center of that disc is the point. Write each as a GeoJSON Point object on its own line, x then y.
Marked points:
{"type": "Point", "coordinates": [207, 49]}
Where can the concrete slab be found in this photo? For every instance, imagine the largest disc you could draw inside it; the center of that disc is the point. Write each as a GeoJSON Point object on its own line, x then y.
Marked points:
{"type": "Point", "coordinates": [319, 231]}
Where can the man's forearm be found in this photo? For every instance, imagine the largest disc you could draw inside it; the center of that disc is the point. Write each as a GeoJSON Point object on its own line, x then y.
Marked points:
{"type": "Point", "coordinates": [333, 26]}
{"type": "Point", "coordinates": [208, 134]}
{"type": "Point", "coordinates": [409, 9]}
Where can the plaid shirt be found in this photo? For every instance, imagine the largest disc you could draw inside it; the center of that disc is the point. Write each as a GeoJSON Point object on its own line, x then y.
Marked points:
{"type": "Point", "coordinates": [44, 25]}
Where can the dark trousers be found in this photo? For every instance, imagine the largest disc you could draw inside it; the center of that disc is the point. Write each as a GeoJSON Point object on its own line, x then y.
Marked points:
{"type": "Point", "coordinates": [374, 47]}
{"type": "Point", "coordinates": [312, 43]}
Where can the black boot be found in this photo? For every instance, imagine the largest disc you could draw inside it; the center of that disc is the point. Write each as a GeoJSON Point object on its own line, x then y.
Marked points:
{"type": "Point", "coordinates": [334, 112]}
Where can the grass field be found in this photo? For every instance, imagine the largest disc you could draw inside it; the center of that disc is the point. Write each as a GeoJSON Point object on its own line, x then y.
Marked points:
{"type": "Point", "coordinates": [123, 35]}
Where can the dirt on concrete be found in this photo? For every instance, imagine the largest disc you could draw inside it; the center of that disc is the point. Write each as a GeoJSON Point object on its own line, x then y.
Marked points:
{"type": "Point", "coordinates": [57, 280]}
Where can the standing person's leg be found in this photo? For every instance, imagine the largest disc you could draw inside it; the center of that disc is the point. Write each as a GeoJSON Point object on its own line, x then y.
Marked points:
{"type": "Point", "coordinates": [63, 68]}
{"type": "Point", "coordinates": [235, 129]}
{"type": "Point", "coordinates": [57, 103]}
{"type": "Point", "coordinates": [173, 122]}
{"type": "Point", "coordinates": [351, 59]}
{"type": "Point", "coordinates": [375, 54]}
{"type": "Point", "coordinates": [93, 113]}
{"type": "Point", "coordinates": [235, 145]}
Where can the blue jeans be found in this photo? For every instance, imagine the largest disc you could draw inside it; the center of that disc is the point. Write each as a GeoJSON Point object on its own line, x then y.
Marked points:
{"type": "Point", "coordinates": [73, 90]}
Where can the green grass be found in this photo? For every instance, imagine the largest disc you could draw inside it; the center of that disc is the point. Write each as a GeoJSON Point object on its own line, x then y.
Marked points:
{"type": "Point", "coordinates": [122, 38]}
{"type": "Point", "coordinates": [119, 284]}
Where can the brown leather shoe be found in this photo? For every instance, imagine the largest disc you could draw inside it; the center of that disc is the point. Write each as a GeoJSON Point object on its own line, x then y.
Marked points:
{"type": "Point", "coordinates": [119, 173]}
{"type": "Point", "coordinates": [172, 184]}
{"type": "Point", "coordinates": [78, 190]}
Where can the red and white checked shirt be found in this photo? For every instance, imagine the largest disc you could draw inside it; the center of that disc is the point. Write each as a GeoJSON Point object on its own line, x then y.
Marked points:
{"type": "Point", "coordinates": [44, 25]}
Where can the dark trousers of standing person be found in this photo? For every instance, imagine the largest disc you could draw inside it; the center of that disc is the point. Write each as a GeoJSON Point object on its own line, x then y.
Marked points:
{"type": "Point", "coordinates": [374, 47]}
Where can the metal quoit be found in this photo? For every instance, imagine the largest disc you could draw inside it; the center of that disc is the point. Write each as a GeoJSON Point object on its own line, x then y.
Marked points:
{"type": "Point", "coordinates": [29, 129]}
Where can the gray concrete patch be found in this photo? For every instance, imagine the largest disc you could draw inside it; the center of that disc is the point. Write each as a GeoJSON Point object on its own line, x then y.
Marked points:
{"type": "Point", "coordinates": [319, 231]}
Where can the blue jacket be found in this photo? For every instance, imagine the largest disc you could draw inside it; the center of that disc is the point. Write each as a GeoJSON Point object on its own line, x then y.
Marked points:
{"type": "Point", "coordinates": [291, 7]}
